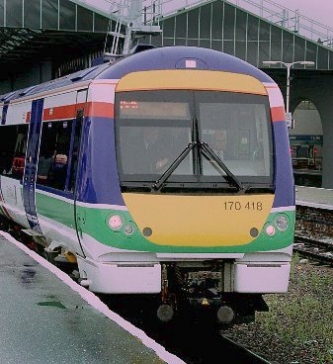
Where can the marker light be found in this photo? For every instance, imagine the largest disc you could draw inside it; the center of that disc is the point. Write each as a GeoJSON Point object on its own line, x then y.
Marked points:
{"type": "Point", "coordinates": [129, 229]}
{"type": "Point", "coordinates": [191, 63]}
{"type": "Point", "coordinates": [115, 222]}
{"type": "Point", "coordinates": [270, 230]}
{"type": "Point", "coordinates": [281, 222]}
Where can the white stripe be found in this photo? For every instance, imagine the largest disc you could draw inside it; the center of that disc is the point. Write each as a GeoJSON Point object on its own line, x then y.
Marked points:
{"type": "Point", "coordinates": [83, 204]}
{"type": "Point", "coordinates": [102, 92]}
{"type": "Point", "coordinates": [283, 209]}
{"type": "Point", "coordinates": [64, 99]}
{"type": "Point", "coordinates": [275, 97]}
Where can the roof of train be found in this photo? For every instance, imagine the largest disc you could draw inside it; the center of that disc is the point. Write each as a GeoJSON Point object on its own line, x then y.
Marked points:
{"type": "Point", "coordinates": [172, 57]}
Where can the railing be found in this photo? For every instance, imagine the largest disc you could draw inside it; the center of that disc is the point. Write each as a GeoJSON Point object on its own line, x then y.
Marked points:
{"type": "Point", "coordinates": [267, 9]}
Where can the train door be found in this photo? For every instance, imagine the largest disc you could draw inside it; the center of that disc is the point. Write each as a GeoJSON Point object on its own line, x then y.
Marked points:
{"type": "Point", "coordinates": [30, 173]}
{"type": "Point", "coordinates": [76, 154]}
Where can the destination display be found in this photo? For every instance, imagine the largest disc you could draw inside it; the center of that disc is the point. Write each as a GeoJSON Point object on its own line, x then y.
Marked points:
{"type": "Point", "coordinates": [152, 110]}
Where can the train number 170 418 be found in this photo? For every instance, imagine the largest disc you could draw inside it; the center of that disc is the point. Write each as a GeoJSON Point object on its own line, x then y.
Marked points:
{"type": "Point", "coordinates": [246, 205]}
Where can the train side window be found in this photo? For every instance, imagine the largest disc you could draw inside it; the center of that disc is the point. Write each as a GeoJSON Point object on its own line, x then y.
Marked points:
{"type": "Point", "coordinates": [13, 143]}
{"type": "Point", "coordinates": [54, 147]}
{"type": "Point", "coordinates": [46, 154]}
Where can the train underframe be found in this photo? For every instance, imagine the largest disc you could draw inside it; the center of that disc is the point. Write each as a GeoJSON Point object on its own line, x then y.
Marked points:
{"type": "Point", "coordinates": [206, 290]}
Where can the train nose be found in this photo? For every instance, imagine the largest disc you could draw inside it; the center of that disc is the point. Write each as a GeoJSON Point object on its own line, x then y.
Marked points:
{"type": "Point", "coordinates": [225, 315]}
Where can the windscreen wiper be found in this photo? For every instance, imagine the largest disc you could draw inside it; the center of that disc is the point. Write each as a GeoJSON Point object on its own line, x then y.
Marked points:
{"type": "Point", "coordinates": [230, 177]}
{"type": "Point", "coordinates": [157, 184]}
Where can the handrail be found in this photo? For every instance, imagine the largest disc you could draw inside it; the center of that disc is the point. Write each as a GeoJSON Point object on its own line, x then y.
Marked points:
{"type": "Point", "coordinates": [153, 10]}
{"type": "Point", "coordinates": [269, 10]}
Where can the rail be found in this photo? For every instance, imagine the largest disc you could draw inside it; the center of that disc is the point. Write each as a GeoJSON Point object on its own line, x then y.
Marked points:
{"type": "Point", "coordinates": [315, 249]}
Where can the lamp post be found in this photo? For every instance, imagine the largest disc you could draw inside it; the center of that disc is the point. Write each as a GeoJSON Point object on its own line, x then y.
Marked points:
{"type": "Point", "coordinates": [288, 66]}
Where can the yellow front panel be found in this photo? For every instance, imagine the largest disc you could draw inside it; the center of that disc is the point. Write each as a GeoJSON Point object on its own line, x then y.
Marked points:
{"type": "Point", "coordinates": [199, 221]}
{"type": "Point", "coordinates": [191, 80]}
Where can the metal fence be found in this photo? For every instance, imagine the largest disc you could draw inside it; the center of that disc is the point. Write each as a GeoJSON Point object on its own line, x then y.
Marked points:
{"type": "Point", "coordinates": [292, 20]}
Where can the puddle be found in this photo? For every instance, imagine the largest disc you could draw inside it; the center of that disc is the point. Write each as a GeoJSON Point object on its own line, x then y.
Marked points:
{"type": "Point", "coordinates": [56, 304]}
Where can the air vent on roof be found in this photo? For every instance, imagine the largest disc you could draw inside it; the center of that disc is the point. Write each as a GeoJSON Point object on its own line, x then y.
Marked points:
{"type": "Point", "coordinates": [7, 96]}
{"type": "Point", "coordinates": [27, 90]}
{"type": "Point", "coordinates": [84, 73]}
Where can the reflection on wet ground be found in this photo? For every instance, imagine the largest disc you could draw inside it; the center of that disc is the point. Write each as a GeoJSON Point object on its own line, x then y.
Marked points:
{"type": "Point", "coordinates": [56, 304]}
{"type": "Point", "coordinates": [28, 273]}
{"type": "Point", "coordinates": [43, 305]}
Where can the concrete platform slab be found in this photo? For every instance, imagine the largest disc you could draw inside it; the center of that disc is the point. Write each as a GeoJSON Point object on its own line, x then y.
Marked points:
{"type": "Point", "coordinates": [46, 318]}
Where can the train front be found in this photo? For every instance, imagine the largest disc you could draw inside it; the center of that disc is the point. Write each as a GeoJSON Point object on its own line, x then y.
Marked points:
{"type": "Point", "coordinates": [206, 179]}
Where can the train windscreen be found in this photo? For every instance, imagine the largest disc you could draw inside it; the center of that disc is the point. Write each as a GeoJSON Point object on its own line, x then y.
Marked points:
{"type": "Point", "coordinates": [194, 136]}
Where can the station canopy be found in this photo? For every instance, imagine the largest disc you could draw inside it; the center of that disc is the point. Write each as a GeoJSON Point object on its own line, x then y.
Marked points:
{"type": "Point", "coordinates": [33, 31]}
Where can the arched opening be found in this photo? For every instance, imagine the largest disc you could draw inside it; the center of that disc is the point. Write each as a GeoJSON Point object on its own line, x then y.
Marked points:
{"type": "Point", "coordinates": [306, 141]}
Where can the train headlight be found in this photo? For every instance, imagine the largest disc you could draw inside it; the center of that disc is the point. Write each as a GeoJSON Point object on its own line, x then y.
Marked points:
{"type": "Point", "coordinates": [129, 229]}
{"type": "Point", "coordinates": [115, 222]}
{"type": "Point", "coordinates": [270, 230]}
{"type": "Point", "coordinates": [281, 222]}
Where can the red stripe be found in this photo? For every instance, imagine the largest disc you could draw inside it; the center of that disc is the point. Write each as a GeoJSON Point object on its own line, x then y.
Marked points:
{"type": "Point", "coordinates": [100, 109]}
{"type": "Point", "coordinates": [58, 113]}
{"type": "Point", "coordinates": [278, 114]}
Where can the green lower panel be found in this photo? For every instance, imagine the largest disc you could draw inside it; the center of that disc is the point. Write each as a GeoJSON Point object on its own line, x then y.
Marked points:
{"type": "Point", "coordinates": [94, 222]}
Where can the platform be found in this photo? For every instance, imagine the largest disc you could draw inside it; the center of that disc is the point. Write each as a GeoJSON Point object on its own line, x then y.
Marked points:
{"type": "Point", "coordinates": [46, 317]}
{"type": "Point", "coordinates": [314, 197]}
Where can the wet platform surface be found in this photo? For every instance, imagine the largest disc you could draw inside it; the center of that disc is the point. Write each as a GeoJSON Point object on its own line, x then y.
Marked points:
{"type": "Point", "coordinates": [46, 318]}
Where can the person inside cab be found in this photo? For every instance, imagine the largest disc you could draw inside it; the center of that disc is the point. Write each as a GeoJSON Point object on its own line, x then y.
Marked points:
{"type": "Point", "coordinates": [219, 144]}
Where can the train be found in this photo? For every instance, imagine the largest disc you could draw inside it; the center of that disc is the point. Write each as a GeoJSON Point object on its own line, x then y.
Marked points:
{"type": "Point", "coordinates": [179, 223]}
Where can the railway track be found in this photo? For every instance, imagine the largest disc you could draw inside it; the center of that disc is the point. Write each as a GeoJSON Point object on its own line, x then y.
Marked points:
{"type": "Point", "coordinates": [319, 250]}
{"type": "Point", "coordinates": [195, 342]}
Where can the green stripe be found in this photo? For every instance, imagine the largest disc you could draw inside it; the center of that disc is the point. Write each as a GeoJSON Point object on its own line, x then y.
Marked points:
{"type": "Point", "coordinates": [94, 222]}
{"type": "Point", "coordinates": [61, 211]}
